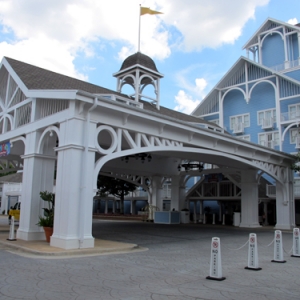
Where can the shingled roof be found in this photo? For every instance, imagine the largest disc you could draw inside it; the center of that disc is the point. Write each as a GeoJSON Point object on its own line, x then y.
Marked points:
{"type": "Point", "coordinates": [36, 78]}
{"type": "Point", "coordinates": [139, 59]}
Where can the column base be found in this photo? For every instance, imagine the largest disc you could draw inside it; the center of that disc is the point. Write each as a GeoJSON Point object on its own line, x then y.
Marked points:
{"type": "Point", "coordinates": [30, 236]}
{"type": "Point", "coordinates": [255, 225]}
{"type": "Point", "coordinates": [72, 243]}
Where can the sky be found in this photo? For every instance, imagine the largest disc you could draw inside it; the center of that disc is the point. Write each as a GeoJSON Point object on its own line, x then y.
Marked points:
{"type": "Point", "coordinates": [193, 43]}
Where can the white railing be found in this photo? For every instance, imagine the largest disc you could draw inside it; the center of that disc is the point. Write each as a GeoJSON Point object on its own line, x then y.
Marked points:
{"type": "Point", "coordinates": [268, 123]}
{"type": "Point", "coordinates": [238, 128]}
{"type": "Point", "coordinates": [286, 65]}
{"type": "Point", "coordinates": [290, 116]}
{"type": "Point", "coordinates": [121, 100]}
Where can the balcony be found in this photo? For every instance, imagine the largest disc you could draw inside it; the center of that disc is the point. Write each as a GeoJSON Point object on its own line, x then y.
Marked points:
{"type": "Point", "coordinates": [238, 128]}
{"type": "Point", "coordinates": [268, 123]}
{"type": "Point", "coordinates": [290, 116]}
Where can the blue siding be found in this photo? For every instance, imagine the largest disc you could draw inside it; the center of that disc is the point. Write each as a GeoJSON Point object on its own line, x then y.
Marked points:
{"type": "Point", "coordinates": [273, 50]}
{"type": "Point", "coordinates": [233, 104]}
{"type": "Point", "coordinates": [262, 98]}
{"type": "Point", "coordinates": [294, 74]}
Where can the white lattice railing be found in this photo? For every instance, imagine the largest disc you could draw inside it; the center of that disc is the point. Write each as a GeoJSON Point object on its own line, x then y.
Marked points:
{"type": "Point", "coordinates": [290, 116]}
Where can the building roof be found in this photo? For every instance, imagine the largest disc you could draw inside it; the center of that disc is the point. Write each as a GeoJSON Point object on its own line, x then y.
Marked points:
{"type": "Point", "coordinates": [36, 78]}
{"type": "Point", "coordinates": [12, 178]}
{"type": "Point", "coordinates": [139, 59]}
{"type": "Point", "coordinates": [269, 24]}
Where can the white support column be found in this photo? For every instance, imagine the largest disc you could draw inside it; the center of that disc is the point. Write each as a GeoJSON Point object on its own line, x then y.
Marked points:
{"type": "Point", "coordinates": [177, 194]}
{"type": "Point", "coordinates": [249, 201]}
{"type": "Point", "coordinates": [114, 206]}
{"type": "Point", "coordinates": [157, 192]}
{"type": "Point", "coordinates": [201, 207]}
{"type": "Point", "coordinates": [266, 213]}
{"type": "Point", "coordinates": [38, 175]}
{"type": "Point", "coordinates": [220, 211]}
{"type": "Point", "coordinates": [286, 58]}
{"type": "Point", "coordinates": [195, 212]}
{"type": "Point", "coordinates": [285, 208]}
{"type": "Point", "coordinates": [106, 206]}
{"type": "Point", "coordinates": [132, 207]}
{"type": "Point", "coordinates": [74, 186]}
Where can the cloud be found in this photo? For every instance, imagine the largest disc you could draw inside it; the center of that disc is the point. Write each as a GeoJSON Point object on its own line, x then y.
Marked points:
{"type": "Point", "coordinates": [293, 21]}
{"type": "Point", "coordinates": [205, 23]}
{"type": "Point", "coordinates": [185, 103]}
{"type": "Point", "coordinates": [52, 34]}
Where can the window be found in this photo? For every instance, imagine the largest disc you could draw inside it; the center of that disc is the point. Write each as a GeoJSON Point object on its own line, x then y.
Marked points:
{"type": "Point", "coordinates": [269, 139]}
{"type": "Point", "coordinates": [266, 118]}
{"type": "Point", "coordinates": [238, 123]}
{"type": "Point", "coordinates": [294, 111]}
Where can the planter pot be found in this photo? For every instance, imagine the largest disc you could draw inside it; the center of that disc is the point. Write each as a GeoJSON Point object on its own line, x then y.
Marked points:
{"type": "Point", "coordinates": [48, 233]}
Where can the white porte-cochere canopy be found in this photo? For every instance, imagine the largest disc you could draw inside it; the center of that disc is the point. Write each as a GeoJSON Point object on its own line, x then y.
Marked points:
{"type": "Point", "coordinates": [64, 131]}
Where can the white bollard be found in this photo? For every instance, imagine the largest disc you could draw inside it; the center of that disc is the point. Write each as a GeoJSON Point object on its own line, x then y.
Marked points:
{"type": "Point", "coordinates": [252, 253]}
{"type": "Point", "coordinates": [278, 248]}
{"type": "Point", "coordinates": [204, 219]}
{"type": "Point", "coordinates": [214, 219]}
{"type": "Point", "coordinates": [215, 261]}
{"type": "Point", "coordinates": [223, 219]}
{"type": "Point", "coordinates": [12, 230]}
{"type": "Point", "coordinates": [296, 243]}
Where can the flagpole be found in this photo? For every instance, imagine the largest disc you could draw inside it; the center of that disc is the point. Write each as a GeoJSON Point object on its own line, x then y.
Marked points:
{"type": "Point", "coordinates": [139, 37]}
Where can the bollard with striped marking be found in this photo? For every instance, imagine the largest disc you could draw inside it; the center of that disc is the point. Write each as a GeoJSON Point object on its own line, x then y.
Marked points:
{"type": "Point", "coordinates": [215, 261]}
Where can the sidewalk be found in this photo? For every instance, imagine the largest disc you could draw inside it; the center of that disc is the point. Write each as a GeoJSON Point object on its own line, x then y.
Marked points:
{"type": "Point", "coordinates": [42, 248]}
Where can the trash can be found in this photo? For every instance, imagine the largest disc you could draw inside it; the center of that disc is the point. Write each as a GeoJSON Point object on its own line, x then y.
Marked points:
{"type": "Point", "coordinates": [184, 217]}
{"type": "Point", "coordinates": [236, 218]}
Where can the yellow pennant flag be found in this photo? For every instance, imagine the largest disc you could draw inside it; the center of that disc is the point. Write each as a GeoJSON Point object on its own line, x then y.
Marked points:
{"type": "Point", "coordinates": [147, 10]}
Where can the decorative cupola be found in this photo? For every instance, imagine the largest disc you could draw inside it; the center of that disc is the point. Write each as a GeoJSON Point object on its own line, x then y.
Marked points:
{"type": "Point", "coordinates": [139, 70]}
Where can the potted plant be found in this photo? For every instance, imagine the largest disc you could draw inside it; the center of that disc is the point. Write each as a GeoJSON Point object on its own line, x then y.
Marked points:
{"type": "Point", "coordinates": [46, 221]}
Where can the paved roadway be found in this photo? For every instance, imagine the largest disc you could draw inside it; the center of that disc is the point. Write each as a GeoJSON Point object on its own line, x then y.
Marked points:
{"type": "Point", "coordinates": [173, 265]}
